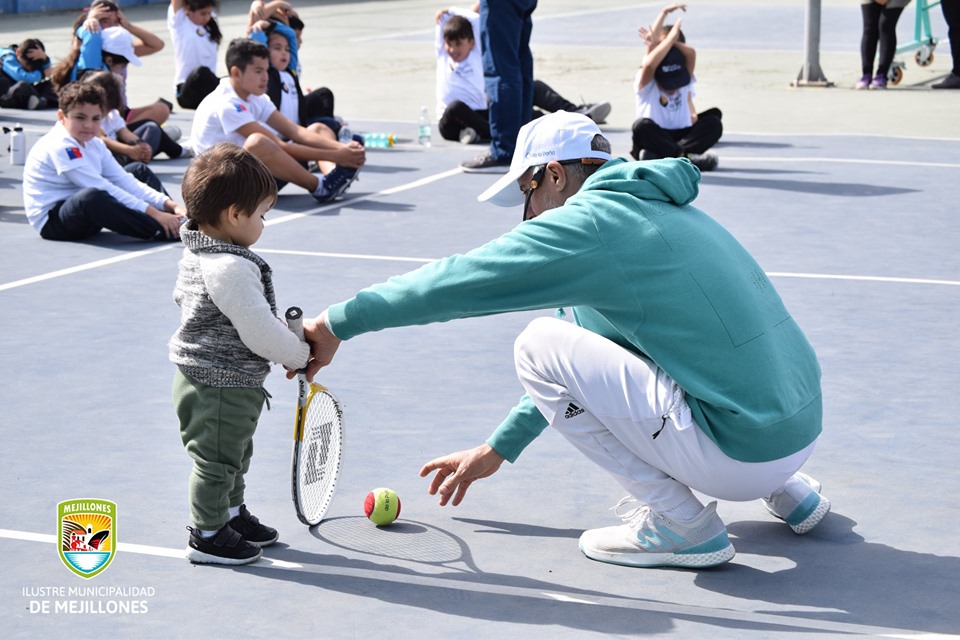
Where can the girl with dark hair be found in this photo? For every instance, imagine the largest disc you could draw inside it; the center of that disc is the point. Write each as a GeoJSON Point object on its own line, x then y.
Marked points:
{"type": "Point", "coordinates": [104, 39]}
{"type": "Point", "coordinates": [138, 142]}
{"type": "Point", "coordinates": [196, 38]}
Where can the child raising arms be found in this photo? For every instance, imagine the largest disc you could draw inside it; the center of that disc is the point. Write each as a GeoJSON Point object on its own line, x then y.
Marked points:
{"type": "Point", "coordinates": [229, 334]}
{"type": "Point", "coordinates": [667, 124]}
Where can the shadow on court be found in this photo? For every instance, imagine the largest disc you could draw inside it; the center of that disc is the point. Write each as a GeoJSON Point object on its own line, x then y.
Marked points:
{"type": "Point", "coordinates": [841, 189]}
{"type": "Point", "coordinates": [834, 569]}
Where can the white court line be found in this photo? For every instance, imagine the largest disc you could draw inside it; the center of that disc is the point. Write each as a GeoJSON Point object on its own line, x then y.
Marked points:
{"type": "Point", "coordinates": [288, 218]}
{"type": "Point", "coordinates": [127, 547]}
{"type": "Point", "coordinates": [441, 176]}
{"type": "Point", "coordinates": [899, 163]}
{"type": "Point", "coordinates": [351, 256]}
{"type": "Point", "coordinates": [84, 267]}
{"type": "Point", "coordinates": [406, 580]}
{"type": "Point", "coordinates": [827, 276]}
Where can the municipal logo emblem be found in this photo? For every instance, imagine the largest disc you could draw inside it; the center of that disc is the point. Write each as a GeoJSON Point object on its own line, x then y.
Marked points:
{"type": "Point", "coordinates": [87, 530]}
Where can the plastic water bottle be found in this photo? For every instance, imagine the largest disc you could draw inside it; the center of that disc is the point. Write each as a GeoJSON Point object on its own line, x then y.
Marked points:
{"type": "Point", "coordinates": [379, 140]}
{"type": "Point", "coordinates": [18, 145]}
{"type": "Point", "coordinates": [345, 135]}
{"type": "Point", "coordinates": [424, 135]}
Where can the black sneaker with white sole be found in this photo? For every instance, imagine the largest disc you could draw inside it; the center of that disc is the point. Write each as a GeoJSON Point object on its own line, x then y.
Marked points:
{"type": "Point", "coordinates": [252, 530]}
{"type": "Point", "coordinates": [226, 546]}
{"type": "Point", "coordinates": [335, 183]}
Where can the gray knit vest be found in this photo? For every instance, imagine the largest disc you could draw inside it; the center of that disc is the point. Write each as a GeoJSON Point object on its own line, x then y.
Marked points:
{"type": "Point", "coordinates": [207, 347]}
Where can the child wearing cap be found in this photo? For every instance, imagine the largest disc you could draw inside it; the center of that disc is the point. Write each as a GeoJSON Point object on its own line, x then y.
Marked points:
{"type": "Point", "coordinates": [667, 124]}
{"type": "Point", "coordinates": [112, 49]}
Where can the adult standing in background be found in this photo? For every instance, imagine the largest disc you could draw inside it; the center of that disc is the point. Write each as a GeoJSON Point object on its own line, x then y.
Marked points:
{"type": "Point", "coordinates": [951, 14]}
{"type": "Point", "coordinates": [505, 27]}
{"type": "Point", "coordinates": [880, 19]}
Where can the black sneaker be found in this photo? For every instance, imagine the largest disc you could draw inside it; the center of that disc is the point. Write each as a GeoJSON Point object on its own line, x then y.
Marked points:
{"type": "Point", "coordinates": [335, 183]}
{"type": "Point", "coordinates": [597, 112]}
{"type": "Point", "coordinates": [704, 161]}
{"type": "Point", "coordinates": [224, 547]}
{"type": "Point", "coordinates": [248, 526]}
{"type": "Point", "coordinates": [952, 81]}
{"type": "Point", "coordinates": [484, 163]}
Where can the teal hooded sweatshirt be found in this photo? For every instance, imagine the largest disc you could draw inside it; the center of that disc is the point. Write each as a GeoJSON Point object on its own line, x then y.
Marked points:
{"type": "Point", "coordinates": [642, 267]}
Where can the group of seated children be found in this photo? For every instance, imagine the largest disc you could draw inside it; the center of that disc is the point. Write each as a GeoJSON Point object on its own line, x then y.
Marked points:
{"type": "Point", "coordinates": [74, 181]}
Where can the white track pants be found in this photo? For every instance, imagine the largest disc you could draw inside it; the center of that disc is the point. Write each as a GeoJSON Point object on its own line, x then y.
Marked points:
{"type": "Point", "coordinates": [625, 399]}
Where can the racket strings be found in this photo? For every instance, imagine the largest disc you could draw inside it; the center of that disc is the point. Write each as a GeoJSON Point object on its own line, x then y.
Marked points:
{"type": "Point", "coordinates": [319, 458]}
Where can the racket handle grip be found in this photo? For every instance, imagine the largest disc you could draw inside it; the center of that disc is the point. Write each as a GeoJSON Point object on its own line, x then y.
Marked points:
{"type": "Point", "coordinates": [294, 317]}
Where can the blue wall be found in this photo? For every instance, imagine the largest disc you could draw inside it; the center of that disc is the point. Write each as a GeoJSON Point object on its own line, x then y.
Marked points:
{"type": "Point", "coordinates": [45, 6]}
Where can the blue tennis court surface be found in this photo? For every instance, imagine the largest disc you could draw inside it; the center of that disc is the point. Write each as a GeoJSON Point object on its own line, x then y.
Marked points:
{"type": "Point", "coordinates": [858, 232]}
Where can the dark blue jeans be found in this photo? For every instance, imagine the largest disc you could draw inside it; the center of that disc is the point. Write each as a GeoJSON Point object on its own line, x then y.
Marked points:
{"type": "Point", "coordinates": [505, 27]}
{"type": "Point", "coordinates": [86, 212]}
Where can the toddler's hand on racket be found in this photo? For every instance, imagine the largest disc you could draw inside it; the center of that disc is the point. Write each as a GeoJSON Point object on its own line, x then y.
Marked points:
{"type": "Point", "coordinates": [457, 471]}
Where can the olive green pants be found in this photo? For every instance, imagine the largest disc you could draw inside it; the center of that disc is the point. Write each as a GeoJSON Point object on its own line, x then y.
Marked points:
{"type": "Point", "coordinates": [217, 426]}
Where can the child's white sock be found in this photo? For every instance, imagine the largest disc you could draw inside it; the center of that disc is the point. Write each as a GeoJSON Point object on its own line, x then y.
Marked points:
{"type": "Point", "coordinates": [319, 190]}
{"type": "Point", "coordinates": [233, 512]}
{"type": "Point", "coordinates": [208, 534]}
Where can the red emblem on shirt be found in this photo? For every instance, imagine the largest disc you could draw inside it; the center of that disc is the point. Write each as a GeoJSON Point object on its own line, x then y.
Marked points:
{"type": "Point", "coordinates": [74, 152]}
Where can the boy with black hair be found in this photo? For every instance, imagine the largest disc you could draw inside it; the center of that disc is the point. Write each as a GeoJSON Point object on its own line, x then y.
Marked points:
{"type": "Point", "coordinates": [238, 111]}
{"type": "Point", "coordinates": [73, 186]}
{"type": "Point", "coordinates": [461, 94]}
{"type": "Point", "coordinates": [23, 77]}
{"type": "Point", "coordinates": [229, 334]}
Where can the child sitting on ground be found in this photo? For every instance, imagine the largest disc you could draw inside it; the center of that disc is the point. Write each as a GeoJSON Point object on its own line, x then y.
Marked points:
{"type": "Point", "coordinates": [229, 334]}
{"type": "Point", "coordinates": [461, 95]}
{"type": "Point", "coordinates": [283, 89]}
{"type": "Point", "coordinates": [667, 124]}
{"type": "Point", "coordinates": [104, 39]}
{"type": "Point", "coordinates": [23, 77]}
{"type": "Point", "coordinates": [73, 187]}
{"type": "Point", "coordinates": [139, 145]}
{"type": "Point", "coordinates": [196, 39]}
{"type": "Point", "coordinates": [239, 112]}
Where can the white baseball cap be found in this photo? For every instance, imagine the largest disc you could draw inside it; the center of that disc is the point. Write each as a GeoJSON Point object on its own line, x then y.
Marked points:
{"type": "Point", "coordinates": [119, 42]}
{"type": "Point", "coordinates": [558, 136]}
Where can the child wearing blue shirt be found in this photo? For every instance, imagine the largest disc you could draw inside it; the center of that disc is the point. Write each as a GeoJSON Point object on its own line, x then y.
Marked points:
{"type": "Point", "coordinates": [23, 77]}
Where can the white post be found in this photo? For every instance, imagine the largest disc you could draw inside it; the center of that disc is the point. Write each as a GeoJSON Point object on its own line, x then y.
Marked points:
{"type": "Point", "coordinates": [811, 75]}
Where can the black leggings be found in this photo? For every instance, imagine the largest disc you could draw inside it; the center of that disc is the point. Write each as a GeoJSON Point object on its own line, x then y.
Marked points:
{"type": "Point", "coordinates": [458, 116]}
{"type": "Point", "coordinates": [674, 143]}
{"type": "Point", "coordinates": [879, 25]}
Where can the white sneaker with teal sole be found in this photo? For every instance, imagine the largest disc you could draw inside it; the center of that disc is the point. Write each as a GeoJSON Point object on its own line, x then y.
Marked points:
{"type": "Point", "coordinates": [650, 539]}
{"type": "Point", "coordinates": [799, 503]}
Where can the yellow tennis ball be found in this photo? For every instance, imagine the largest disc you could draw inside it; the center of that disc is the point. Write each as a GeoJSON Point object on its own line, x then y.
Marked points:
{"type": "Point", "coordinates": [382, 506]}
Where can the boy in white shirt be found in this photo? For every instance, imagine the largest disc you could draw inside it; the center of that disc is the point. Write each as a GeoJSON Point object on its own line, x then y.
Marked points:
{"type": "Point", "coordinates": [73, 187]}
{"type": "Point", "coordinates": [238, 111]}
{"type": "Point", "coordinates": [461, 94]}
{"type": "Point", "coordinates": [667, 124]}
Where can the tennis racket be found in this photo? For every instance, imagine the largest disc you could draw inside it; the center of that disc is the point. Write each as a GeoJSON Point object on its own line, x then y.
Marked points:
{"type": "Point", "coordinates": [317, 441]}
